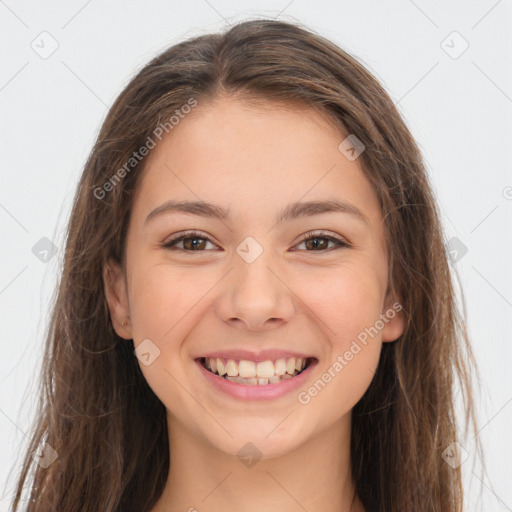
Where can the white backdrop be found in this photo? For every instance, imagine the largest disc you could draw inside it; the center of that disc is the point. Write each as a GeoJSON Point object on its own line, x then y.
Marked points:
{"type": "Point", "coordinates": [447, 65]}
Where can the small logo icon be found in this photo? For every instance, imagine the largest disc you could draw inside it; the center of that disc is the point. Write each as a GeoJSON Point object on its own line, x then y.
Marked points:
{"type": "Point", "coordinates": [44, 250]}
{"type": "Point", "coordinates": [44, 455]}
{"type": "Point", "coordinates": [249, 455]}
{"type": "Point", "coordinates": [454, 45]}
{"type": "Point", "coordinates": [351, 147]}
{"type": "Point", "coordinates": [456, 249]}
{"type": "Point", "coordinates": [454, 454]}
{"type": "Point", "coordinates": [249, 249]}
{"type": "Point", "coordinates": [146, 352]}
{"type": "Point", "coordinates": [507, 192]}
{"type": "Point", "coordinates": [45, 45]}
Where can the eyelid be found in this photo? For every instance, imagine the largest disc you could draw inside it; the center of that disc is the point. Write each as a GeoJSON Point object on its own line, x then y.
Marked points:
{"type": "Point", "coordinates": [324, 234]}
{"type": "Point", "coordinates": [187, 233]}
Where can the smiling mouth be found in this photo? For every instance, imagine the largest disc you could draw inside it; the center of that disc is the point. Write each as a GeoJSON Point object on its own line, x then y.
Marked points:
{"type": "Point", "coordinates": [253, 373]}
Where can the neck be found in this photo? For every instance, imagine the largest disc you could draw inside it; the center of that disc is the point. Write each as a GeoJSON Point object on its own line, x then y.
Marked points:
{"type": "Point", "coordinates": [314, 476]}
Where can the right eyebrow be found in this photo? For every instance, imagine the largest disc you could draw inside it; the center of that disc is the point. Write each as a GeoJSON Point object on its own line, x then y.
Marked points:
{"type": "Point", "coordinates": [199, 208]}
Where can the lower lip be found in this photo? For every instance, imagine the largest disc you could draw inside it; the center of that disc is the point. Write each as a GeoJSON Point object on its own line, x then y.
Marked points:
{"type": "Point", "coordinates": [263, 392]}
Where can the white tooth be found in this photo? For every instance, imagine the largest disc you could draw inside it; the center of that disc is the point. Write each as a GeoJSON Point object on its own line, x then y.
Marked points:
{"type": "Point", "coordinates": [251, 382]}
{"type": "Point", "coordinates": [231, 368]}
{"type": "Point", "coordinates": [262, 381]}
{"type": "Point", "coordinates": [290, 365]}
{"type": "Point", "coordinates": [238, 380]}
{"type": "Point", "coordinates": [298, 363]}
{"type": "Point", "coordinates": [206, 363]}
{"type": "Point", "coordinates": [286, 376]}
{"type": "Point", "coordinates": [247, 368]}
{"type": "Point", "coordinates": [274, 379]}
{"type": "Point", "coordinates": [280, 367]}
{"type": "Point", "coordinates": [303, 365]}
{"type": "Point", "coordinates": [265, 369]}
{"type": "Point", "coordinates": [221, 369]}
{"type": "Point", "coordinates": [213, 365]}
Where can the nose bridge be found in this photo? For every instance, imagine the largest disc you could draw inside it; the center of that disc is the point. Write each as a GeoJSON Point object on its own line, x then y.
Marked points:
{"type": "Point", "coordinates": [255, 293]}
{"type": "Point", "coordinates": [256, 277]}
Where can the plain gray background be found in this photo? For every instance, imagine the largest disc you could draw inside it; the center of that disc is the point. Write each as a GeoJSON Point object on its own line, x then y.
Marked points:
{"type": "Point", "coordinates": [457, 101]}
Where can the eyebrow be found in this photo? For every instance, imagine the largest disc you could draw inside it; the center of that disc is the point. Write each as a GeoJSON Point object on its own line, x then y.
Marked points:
{"type": "Point", "coordinates": [290, 212]}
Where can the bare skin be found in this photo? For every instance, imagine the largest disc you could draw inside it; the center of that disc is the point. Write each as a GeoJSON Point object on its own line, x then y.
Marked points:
{"type": "Point", "coordinates": [313, 299]}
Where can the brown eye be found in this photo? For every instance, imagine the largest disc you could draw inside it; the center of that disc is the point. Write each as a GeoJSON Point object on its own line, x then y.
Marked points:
{"type": "Point", "coordinates": [319, 242]}
{"type": "Point", "coordinates": [191, 242]}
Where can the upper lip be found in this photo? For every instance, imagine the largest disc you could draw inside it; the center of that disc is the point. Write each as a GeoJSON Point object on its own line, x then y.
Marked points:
{"type": "Point", "coordinates": [263, 355]}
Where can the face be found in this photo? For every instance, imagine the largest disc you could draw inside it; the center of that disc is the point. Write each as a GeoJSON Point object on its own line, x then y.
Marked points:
{"type": "Point", "coordinates": [257, 280]}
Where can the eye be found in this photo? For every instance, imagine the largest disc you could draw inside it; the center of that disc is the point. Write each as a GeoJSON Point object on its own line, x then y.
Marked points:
{"type": "Point", "coordinates": [191, 242]}
{"type": "Point", "coordinates": [196, 242]}
{"type": "Point", "coordinates": [311, 240]}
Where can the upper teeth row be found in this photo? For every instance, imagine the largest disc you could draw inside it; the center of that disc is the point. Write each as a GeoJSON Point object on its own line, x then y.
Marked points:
{"type": "Point", "coordinates": [263, 369]}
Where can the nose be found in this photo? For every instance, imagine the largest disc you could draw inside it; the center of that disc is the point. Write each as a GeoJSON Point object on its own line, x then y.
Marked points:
{"type": "Point", "coordinates": [255, 296]}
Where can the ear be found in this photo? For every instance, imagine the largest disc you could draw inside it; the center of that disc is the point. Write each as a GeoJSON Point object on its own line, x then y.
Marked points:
{"type": "Point", "coordinates": [393, 318]}
{"type": "Point", "coordinates": [117, 298]}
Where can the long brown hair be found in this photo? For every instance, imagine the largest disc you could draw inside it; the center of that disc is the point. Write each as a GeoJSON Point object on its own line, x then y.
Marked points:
{"type": "Point", "coordinates": [95, 405]}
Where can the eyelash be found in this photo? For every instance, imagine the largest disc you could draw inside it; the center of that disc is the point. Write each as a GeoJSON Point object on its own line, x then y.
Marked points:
{"type": "Point", "coordinates": [170, 245]}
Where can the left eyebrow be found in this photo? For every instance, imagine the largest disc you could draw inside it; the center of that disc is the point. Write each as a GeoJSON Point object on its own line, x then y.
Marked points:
{"type": "Point", "coordinates": [311, 208]}
{"type": "Point", "coordinates": [290, 212]}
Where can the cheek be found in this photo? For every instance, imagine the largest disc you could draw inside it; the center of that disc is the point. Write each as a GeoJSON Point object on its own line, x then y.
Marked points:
{"type": "Point", "coordinates": [347, 299]}
{"type": "Point", "coordinates": [349, 303]}
{"type": "Point", "coordinates": [163, 298]}
{"type": "Point", "coordinates": [165, 303]}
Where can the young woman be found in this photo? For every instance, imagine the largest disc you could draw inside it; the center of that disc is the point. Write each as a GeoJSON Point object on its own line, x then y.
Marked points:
{"type": "Point", "coordinates": [256, 310]}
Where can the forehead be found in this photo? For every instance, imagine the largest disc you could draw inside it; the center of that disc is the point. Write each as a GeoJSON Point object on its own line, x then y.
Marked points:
{"type": "Point", "coordinates": [252, 157]}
